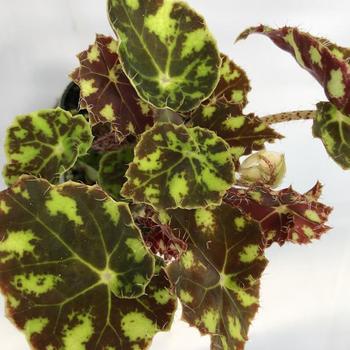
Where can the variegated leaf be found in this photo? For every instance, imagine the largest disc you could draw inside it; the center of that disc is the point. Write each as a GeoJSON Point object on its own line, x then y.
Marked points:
{"type": "Point", "coordinates": [45, 143]}
{"type": "Point", "coordinates": [218, 278]}
{"type": "Point", "coordinates": [284, 216]}
{"type": "Point", "coordinates": [166, 50]}
{"type": "Point", "coordinates": [327, 62]}
{"type": "Point", "coordinates": [112, 169]}
{"type": "Point", "coordinates": [333, 128]}
{"type": "Point", "coordinates": [223, 113]}
{"type": "Point", "coordinates": [232, 89]}
{"type": "Point", "coordinates": [179, 167]}
{"type": "Point", "coordinates": [106, 92]}
{"type": "Point", "coordinates": [75, 271]}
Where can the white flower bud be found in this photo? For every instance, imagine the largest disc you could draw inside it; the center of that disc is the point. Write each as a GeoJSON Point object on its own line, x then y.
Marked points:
{"type": "Point", "coordinates": [263, 167]}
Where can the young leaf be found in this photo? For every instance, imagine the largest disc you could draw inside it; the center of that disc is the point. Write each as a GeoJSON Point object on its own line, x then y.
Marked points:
{"type": "Point", "coordinates": [113, 166]}
{"type": "Point", "coordinates": [160, 237]}
{"type": "Point", "coordinates": [106, 92]}
{"type": "Point", "coordinates": [327, 62]}
{"type": "Point", "coordinates": [223, 113]}
{"type": "Point", "coordinates": [166, 50]}
{"type": "Point", "coordinates": [45, 143]}
{"type": "Point", "coordinates": [333, 128]}
{"type": "Point", "coordinates": [74, 269]}
{"type": "Point", "coordinates": [284, 215]}
{"type": "Point", "coordinates": [218, 278]}
{"type": "Point", "coordinates": [179, 167]}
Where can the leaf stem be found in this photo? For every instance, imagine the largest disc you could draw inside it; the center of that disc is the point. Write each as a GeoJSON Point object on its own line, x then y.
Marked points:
{"type": "Point", "coordinates": [288, 116]}
{"type": "Point", "coordinates": [90, 171]}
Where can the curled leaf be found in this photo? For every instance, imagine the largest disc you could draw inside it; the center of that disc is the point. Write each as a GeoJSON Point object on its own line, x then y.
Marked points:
{"type": "Point", "coordinates": [284, 216]}
{"type": "Point", "coordinates": [327, 62]}
{"type": "Point", "coordinates": [106, 92]}
{"type": "Point", "coordinates": [218, 278]}
{"type": "Point", "coordinates": [333, 128]}
{"type": "Point", "coordinates": [166, 50]}
{"type": "Point", "coordinates": [45, 143]}
{"type": "Point", "coordinates": [75, 270]}
{"type": "Point", "coordinates": [179, 167]}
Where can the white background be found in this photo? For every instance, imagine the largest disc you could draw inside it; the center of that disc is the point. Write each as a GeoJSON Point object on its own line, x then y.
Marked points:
{"type": "Point", "coordinates": [305, 296]}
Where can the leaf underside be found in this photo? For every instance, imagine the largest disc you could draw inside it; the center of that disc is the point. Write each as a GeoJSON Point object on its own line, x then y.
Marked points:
{"type": "Point", "coordinates": [112, 169]}
{"type": "Point", "coordinates": [223, 113]}
{"type": "Point", "coordinates": [333, 128]}
{"type": "Point", "coordinates": [175, 166]}
{"type": "Point", "coordinates": [285, 215]}
{"type": "Point", "coordinates": [106, 92]}
{"type": "Point", "coordinates": [166, 50]}
{"type": "Point", "coordinates": [218, 278]}
{"type": "Point", "coordinates": [45, 143]}
{"type": "Point", "coordinates": [74, 269]}
{"type": "Point", "coordinates": [327, 62]}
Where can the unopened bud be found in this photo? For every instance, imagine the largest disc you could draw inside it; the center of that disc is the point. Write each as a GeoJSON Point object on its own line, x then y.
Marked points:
{"type": "Point", "coordinates": [263, 167]}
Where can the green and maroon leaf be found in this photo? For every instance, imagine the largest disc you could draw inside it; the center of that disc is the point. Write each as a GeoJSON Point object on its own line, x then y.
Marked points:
{"type": "Point", "coordinates": [106, 92]}
{"type": "Point", "coordinates": [232, 89]}
{"type": "Point", "coordinates": [284, 216]}
{"type": "Point", "coordinates": [223, 113]}
{"type": "Point", "coordinates": [325, 61]}
{"type": "Point", "coordinates": [112, 169]}
{"type": "Point", "coordinates": [244, 133]}
{"type": "Point", "coordinates": [166, 50]}
{"type": "Point", "coordinates": [45, 143]}
{"type": "Point", "coordinates": [75, 270]}
{"type": "Point", "coordinates": [218, 278]}
{"type": "Point", "coordinates": [179, 167]}
{"type": "Point", "coordinates": [333, 128]}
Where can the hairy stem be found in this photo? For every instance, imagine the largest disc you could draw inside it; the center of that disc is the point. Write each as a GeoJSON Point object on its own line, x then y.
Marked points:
{"type": "Point", "coordinates": [288, 116]}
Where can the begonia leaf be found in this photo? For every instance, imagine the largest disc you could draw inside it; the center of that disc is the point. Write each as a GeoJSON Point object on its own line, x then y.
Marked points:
{"type": "Point", "coordinates": [106, 91]}
{"type": "Point", "coordinates": [45, 143]}
{"type": "Point", "coordinates": [112, 169]}
{"type": "Point", "coordinates": [285, 215]}
{"type": "Point", "coordinates": [333, 128]}
{"type": "Point", "coordinates": [166, 50]}
{"type": "Point", "coordinates": [218, 278]}
{"type": "Point", "coordinates": [223, 113]}
{"type": "Point", "coordinates": [75, 271]}
{"type": "Point", "coordinates": [327, 62]}
{"type": "Point", "coordinates": [232, 89]}
{"type": "Point", "coordinates": [179, 167]}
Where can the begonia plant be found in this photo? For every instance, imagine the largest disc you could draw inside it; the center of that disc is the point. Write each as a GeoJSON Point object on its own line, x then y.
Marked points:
{"type": "Point", "coordinates": [150, 186]}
